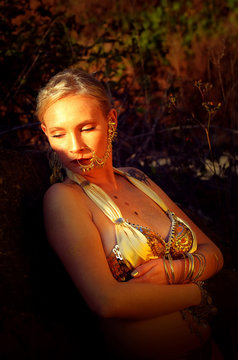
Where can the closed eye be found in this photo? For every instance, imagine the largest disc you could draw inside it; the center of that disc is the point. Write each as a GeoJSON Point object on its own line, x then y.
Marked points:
{"type": "Point", "coordinates": [88, 129]}
{"type": "Point", "coordinates": [57, 136]}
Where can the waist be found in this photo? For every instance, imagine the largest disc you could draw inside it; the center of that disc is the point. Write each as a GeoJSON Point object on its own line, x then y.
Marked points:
{"type": "Point", "coordinates": [168, 336]}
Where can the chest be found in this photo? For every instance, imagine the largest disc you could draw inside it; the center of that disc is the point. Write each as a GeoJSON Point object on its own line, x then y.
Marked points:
{"type": "Point", "coordinates": [137, 208]}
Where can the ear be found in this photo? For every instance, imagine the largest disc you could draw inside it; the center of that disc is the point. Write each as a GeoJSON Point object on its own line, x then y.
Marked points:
{"type": "Point", "coordinates": [43, 128]}
{"type": "Point", "coordinates": [113, 115]}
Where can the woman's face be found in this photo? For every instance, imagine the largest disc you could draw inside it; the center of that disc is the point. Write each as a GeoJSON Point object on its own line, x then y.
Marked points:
{"type": "Point", "coordinates": [76, 127]}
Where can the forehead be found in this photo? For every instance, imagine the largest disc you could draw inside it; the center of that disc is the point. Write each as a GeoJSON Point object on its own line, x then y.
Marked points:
{"type": "Point", "coordinates": [72, 107]}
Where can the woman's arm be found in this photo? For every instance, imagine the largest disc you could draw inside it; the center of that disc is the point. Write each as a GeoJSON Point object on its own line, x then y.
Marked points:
{"type": "Point", "coordinates": [212, 254]}
{"type": "Point", "coordinates": [76, 240]}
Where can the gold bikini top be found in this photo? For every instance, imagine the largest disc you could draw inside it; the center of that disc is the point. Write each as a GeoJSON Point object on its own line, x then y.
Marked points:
{"type": "Point", "coordinates": [137, 244]}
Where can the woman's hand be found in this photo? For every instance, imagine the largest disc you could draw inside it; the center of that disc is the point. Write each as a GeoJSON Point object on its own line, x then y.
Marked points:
{"type": "Point", "coordinates": [150, 272]}
{"type": "Point", "coordinates": [153, 272]}
{"type": "Point", "coordinates": [177, 271]}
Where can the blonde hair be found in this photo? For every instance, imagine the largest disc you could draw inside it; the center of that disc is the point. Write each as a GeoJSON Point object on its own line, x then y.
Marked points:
{"type": "Point", "coordinates": [71, 82]}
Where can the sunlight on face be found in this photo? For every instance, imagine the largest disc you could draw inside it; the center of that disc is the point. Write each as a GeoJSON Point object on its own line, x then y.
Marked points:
{"type": "Point", "coordinates": [76, 127]}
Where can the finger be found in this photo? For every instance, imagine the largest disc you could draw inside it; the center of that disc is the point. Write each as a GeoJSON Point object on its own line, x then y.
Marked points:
{"type": "Point", "coordinates": [141, 279]}
{"type": "Point", "coordinates": [142, 269]}
{"type": "Point", "coordinates": [148, 277]}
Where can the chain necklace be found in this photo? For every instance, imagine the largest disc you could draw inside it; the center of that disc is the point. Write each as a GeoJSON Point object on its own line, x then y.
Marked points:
{"type": "Point", "coordinates": [96, 161]}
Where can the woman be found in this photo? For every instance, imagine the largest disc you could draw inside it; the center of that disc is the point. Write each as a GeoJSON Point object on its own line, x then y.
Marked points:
{"type": "Point", "coordinates": [135, 257]}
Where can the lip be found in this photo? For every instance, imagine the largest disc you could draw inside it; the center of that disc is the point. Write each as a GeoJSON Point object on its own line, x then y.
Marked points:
{"type": "Point", "coordinates": [82, 161]}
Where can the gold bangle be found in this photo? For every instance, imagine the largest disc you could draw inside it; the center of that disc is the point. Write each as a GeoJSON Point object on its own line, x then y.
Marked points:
{"type": "Point", "coordinates": [171, 268]}
{"type": "Point", "coordinates": [191, 266]}
{"type": "Point", "coordinates": [200, 268]}
{"type": "Point", "coordinates": [185, 268]}
{"type": "Point", "coordinates": [202, 264]}
{"type": "Point", "coordinates": [166, 270]}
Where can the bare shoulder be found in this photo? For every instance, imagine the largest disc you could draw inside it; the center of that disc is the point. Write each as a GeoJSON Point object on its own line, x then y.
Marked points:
{"type": "Point", "coordinates": [141, 176]}
{"type": "Point", "coordinates": [64, 198]}
{"type": "Point", "coordinates": [137, 174]}
{"type": "Point", "coordinates": [55, 190]}
{"type": "Point", "coordinates": [65, 212]}
{"type": "Point", "coordinates": [62, 191]}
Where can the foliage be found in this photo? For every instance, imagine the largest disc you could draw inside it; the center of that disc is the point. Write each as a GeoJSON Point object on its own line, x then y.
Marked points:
{"type": "Point", "coordinates": [130, 49]}
{"type": "Point", "coordinates": [169, 66]}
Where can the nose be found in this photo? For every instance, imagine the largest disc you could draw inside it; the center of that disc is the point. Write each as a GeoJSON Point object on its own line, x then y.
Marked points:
{"type": "Point", "coordinates": [76, 144]}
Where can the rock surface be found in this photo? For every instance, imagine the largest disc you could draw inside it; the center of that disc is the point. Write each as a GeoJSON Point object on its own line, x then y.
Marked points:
{"type": "Point", "coordinates": [42, 315]}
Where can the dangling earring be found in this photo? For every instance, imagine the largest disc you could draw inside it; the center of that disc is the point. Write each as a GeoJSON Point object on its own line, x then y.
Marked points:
{"type": "Point", "coordinates": [99, 162]}
{"type": "Point", "coordinates": [56, 167]}
{"type": "Point", "coordinates": [112, 130]}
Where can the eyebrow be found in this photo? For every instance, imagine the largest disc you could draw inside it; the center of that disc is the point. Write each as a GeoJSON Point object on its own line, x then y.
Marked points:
{"type": "Point", "coordinates": [56, 128]}
{"type": "Point", "coordinates": [86, 122]}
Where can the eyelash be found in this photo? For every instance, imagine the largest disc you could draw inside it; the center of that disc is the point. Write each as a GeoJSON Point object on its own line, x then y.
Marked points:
{"type": "Point", "coordinates": [89, 129]}
{"type": "Point", "coordinates": [60, 135]}
{"type": "Point", "coordinates": [56, 136]}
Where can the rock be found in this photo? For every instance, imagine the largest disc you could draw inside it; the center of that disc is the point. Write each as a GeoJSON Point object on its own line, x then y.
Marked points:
{"type": "Point", "coordinates": [42, 314]}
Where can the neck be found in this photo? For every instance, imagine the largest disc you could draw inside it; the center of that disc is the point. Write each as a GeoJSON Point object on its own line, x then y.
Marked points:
{"type": "Point", "coordinates": [103, 177]}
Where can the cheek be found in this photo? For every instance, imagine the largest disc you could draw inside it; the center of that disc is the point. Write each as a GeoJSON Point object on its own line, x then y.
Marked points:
{"type": "Point", "coordinates": [58, 144]}
{"type": "Point", "coordinates": [62, 155]}
{"type": "Point", "coordinates": [101, 145]}
{"type": "Point", "coordinates": [100, 140]}
{"type": "Point", "coordinates": [60, 149]}
{"type": "Point", "coordinates": [96, 141]}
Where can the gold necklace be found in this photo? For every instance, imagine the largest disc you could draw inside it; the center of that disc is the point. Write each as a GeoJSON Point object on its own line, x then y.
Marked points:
{"type": "Point", "coordinates": [96, 161]}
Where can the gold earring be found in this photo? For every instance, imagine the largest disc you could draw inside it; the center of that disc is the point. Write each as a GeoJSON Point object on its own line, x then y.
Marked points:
{"type": "Point", "coordinates": [112, 130]}
{"type": "Point", "coordinates": [56, 167]}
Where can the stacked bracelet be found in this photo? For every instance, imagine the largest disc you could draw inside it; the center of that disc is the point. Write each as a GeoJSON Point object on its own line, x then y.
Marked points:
{"type": "Point", "coordinates": [202, 264]}
{"type": "Point", "coordinates": [171, 268]}
{"type": "Point", "coordinates": [191, 268]}
{"type": "Point", "coordinates": [166, 270]}
{"type": "Point", "coordinates": [172, 279]}
{"type": "Point", "coordinates": [189, 274]}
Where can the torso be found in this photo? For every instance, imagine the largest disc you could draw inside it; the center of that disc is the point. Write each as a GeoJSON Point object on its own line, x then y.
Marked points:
{"type": "Point", "coordinates": [134, 206]}
{"type": "Point", "coordinates": [167, 329]}
{"type": "Point", "coordinates": [161, 338]}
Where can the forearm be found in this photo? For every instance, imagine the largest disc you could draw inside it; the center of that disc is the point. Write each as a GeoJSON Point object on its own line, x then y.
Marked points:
{"type": "Point", "coordinates": [133, 300]}
{"type": "Point", "coordinates": [207, 261]}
